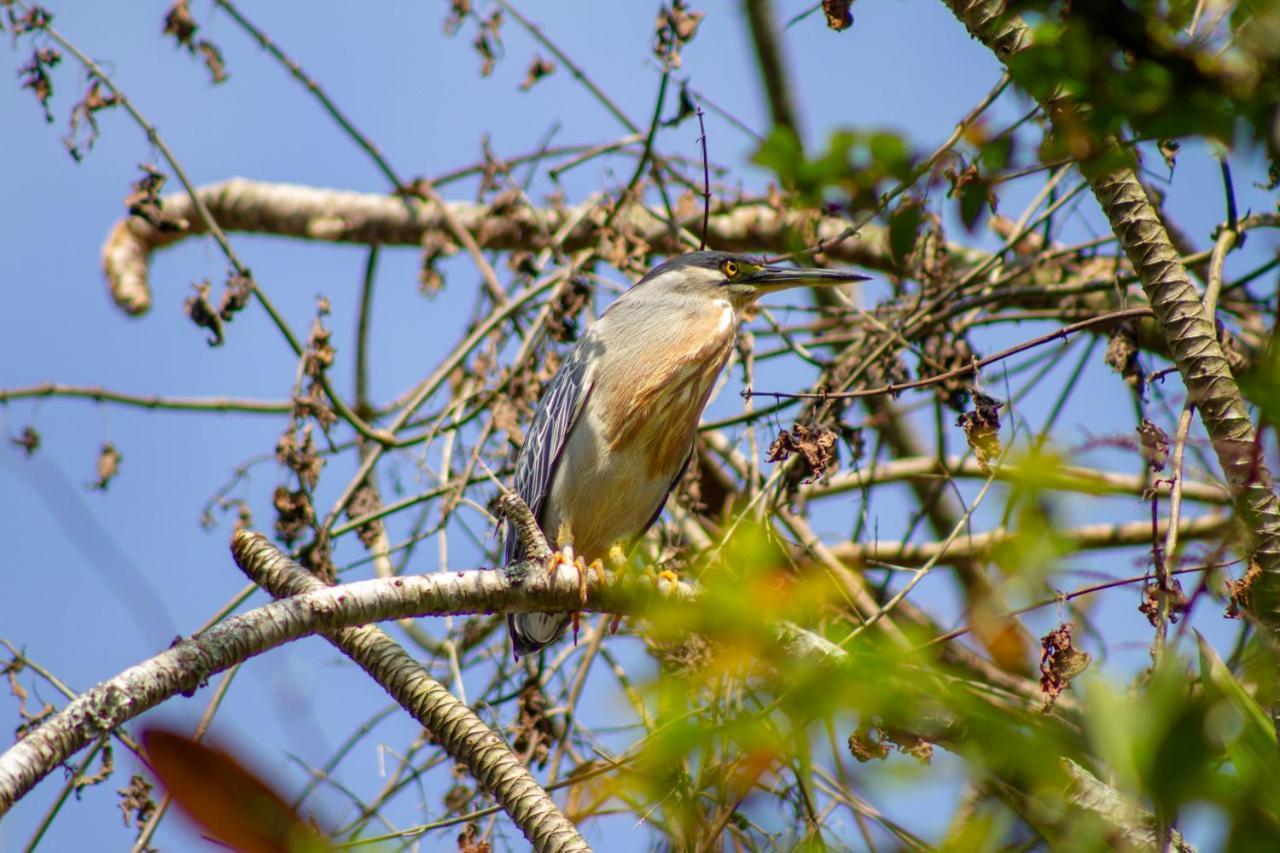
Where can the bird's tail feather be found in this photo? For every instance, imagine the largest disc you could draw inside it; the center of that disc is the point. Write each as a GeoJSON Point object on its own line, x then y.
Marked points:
{"type": "Point", "coordinates": [531, 631]}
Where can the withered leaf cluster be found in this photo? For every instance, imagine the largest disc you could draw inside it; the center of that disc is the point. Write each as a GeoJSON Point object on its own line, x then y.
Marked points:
{"type": "Point", "coordinates": [470, 840]}
{"type": "Point", "coordinates": [136, 801]}
{"type": "Point", "coordinates": [948, 352]}
{"type": "Point", "coordinates": [181, 24]}
{"type": "Point", "coordinates": [838, 14]}
{"type": "Point", "coordinates": [365, 501]}
{"type": "Point", "coordinates": [144, 200]}
{"type": "Point", "coordinates": [871, 743]}
{"type": "Point", "coordinates": [488, 42]}
{"type": "Point", "coordinates": [1122, 354]}
{"type": "Point", "coordinates": [538, 68]}
{"type": "Point", "coordinates": [300, 458]}
{"type": "Point", "coordinates": [235, 296]}
{"type": "Point", "coordinates": [109, 459]}
{"type": "Point", "coordinates": [1240, 593]}
{"type": "Point", "coordinates": [28, 440]}
{"type": "Point", "coordinates": [815, 444]}
{"type": "Point", "coordinates": [84, 114]}
{"type": "Point", "coordinates": [533, 733]}
{"type": "Point", "coordinates": [1173, 599]}
{"type": "Point", "coordinates": [1060, 662]}
{"type": "Point", "coordinates": [316, 358]}
{"type": "Point", "coordinates": [294, 513]}
{"type": "Point", "coordinates": [202, 313]}
{"type": "Point", "coordinates": [981, 428]}
{"type": "Point", "coordinates": [1153, 442]}
{"type": "Point", "coordinates": [572, 296]}
{"type": "Point", "coordinates": [35, 76]}
{"type": "Point", "coordinates": [676, 26]}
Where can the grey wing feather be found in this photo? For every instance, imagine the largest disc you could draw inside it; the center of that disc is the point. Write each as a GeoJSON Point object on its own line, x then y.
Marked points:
{"type": "Point", "coordinates": [544, 443]}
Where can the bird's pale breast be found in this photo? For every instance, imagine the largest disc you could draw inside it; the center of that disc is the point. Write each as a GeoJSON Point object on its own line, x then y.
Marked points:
{"type": "Point", "coordinates": [635, 434]}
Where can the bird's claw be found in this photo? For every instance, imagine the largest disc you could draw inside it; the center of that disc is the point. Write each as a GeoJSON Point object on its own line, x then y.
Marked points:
{"type": "Point", "coordinates": [669, 576]}
{"type": "Point", "coordinates": [584, 569]}
{"type": "Point", "coordinates": [563, 557]}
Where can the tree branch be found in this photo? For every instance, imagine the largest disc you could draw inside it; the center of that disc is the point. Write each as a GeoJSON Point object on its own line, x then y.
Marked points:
{"type": "Point", "coordinates": [457, 728]}
{"type": "Point", "coordinates": [188, 663]}
{"type": "Point", "coordinates": [308, 213]}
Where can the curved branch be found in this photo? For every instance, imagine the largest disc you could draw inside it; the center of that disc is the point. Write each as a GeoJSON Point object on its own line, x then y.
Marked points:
{"type": "Point", "coordinates": [457, 728]}
{"type": "Point", "coordinates": [308, 213]}
{"type": "Point", "coordinates": [188, 663]}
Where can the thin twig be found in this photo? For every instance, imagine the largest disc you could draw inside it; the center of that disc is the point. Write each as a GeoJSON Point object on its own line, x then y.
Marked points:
{"type": "Point", "coordinates": [965, 370]}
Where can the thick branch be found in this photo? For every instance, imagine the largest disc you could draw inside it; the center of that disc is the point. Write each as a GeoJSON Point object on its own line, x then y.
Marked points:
{"type": "Point", "coordinates": [455, 726]}
{"type": "Point", "coordinates": [981, 545]}
{"type": "Point", "coordinates": [289, 210]}
{"type": "Point", "coordinates": [188, 663]}
{"type": "Point", "coordinates": [1068, 478]}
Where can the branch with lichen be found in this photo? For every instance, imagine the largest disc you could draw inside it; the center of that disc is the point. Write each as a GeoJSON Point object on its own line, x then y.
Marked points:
{"type": "Point", "coordinates": [334, 216]}
{"type": "Point", "coordinates": [188, 663]}
{"type": "Point", "coordinates": [455, 726]}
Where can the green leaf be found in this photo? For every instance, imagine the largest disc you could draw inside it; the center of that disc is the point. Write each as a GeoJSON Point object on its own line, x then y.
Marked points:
{"type": "Point", "coordinates": [904, 226]}
{"type": "Point", "coordinates": [1253, 747]}
{"type": "Point", "coordinates": [974, 198]}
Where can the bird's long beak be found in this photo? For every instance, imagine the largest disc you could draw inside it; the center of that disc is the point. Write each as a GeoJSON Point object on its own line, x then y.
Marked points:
{"type": "Point", "coordinates": [769, 279]}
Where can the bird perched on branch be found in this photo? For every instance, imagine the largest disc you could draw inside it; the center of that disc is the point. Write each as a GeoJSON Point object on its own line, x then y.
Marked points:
{"type": "Point", "coordinates": [615, 427]}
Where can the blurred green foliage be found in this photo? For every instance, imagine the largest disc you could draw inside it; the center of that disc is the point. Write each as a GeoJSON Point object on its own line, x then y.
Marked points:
{"type": "Point", "coordinates": [1138, 67]}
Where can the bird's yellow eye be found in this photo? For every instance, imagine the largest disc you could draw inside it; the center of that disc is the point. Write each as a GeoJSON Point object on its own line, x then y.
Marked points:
{"type": "Point", "coordinates": [730, 269]}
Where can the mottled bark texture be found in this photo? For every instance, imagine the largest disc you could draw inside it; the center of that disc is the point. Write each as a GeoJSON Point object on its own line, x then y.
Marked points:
{"type": "Point", "coordinates": [1190, 333]}
{"type": "Point", "coordinates": [453, 725]}
{"type": "Point", "coordinates": [334, 216]}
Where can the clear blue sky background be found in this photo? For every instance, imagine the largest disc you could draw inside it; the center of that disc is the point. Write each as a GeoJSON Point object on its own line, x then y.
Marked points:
{"type": "Point", "coordinates": [94, 582]}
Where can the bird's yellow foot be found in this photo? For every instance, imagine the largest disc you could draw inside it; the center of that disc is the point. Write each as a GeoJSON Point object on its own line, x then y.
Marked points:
{"type": "Point", "coordinates": [670, 576]}
{"type": "Point", "coordinates": [594, 567]}
{"type": "Point", "coordinates": [563, 557]}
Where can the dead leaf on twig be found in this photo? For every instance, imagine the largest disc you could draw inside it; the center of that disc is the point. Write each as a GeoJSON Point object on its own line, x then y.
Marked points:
{"type": "Point", "coordinates": [108, 467]}
{"type": "Point", "coordinates": [538, 68]}
{"type": "Point", "coordinates": [816, 444]}
{"type": "Point", "coordinates": [982, 429]}
{"type": "Point", "coordinates": [1060, 662]}
{"type": "Point", "coordinates": [1239, 593]}
{"type": "Point", "coordinates": [838, 14]}
{"type": "Point", "coordinates": [1154, 445]}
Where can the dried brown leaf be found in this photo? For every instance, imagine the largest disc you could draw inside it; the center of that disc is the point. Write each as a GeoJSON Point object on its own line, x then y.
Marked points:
{"type": "Point", "coordinates": [203, 314]}
{"type": "Point", "coordinates": [816, 444]}
{"type": "Point", "coordinates": [35, 76]}
{"type": "Point", "coordinates": [866, 744]}
{"type": "Point", "coordinates": [1240, 593]}
{"type": "Point", "coordinates": [676, 26]}
{"type": "Point", "coordinates": [1173, 598]}
{"type": "Point", "coordinates": [28, 440]}
{"type": "Point", "coordinates": [294, 513]}
{"type": "Point", "coordinates": [1060, 662]}
{"type": "Point", "coordinates": [108, 466]}
{"type": "Point", "coordinates": [1153, 442]}
{"type": "Point", "coordinates": [136, 802]}
{"type": "Point", "coordinates": [838, 14]}
{"type": "Point", "coordinates": [982, 429]}
{"type": "Point", "coordinates": [538, 68]}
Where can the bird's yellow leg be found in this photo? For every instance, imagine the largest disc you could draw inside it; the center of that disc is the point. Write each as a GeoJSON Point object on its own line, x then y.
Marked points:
{"type": "Point", "coordinates": [668, 575]}
{"type": "Point", "coordinates": [564, 556]}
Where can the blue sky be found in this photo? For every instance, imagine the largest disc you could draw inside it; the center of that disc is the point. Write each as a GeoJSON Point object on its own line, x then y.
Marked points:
{"type": "Point", "coordinates": [94, 582]}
